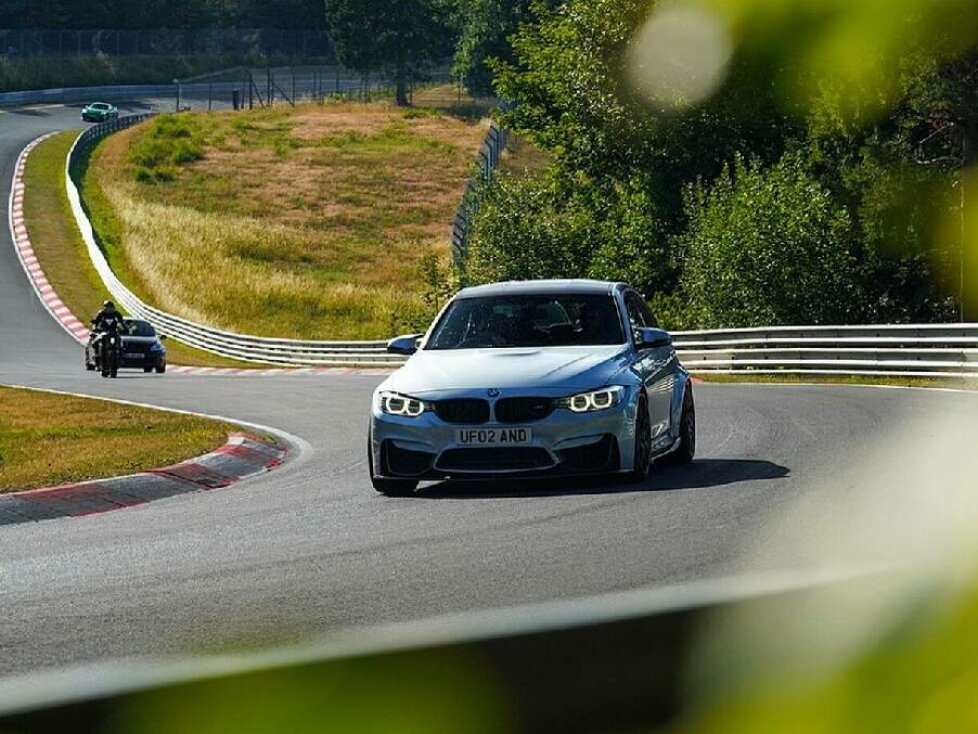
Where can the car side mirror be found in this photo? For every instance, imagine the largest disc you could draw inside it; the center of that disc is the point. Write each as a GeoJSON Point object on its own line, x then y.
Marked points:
{"type": "Point", "coordinates": [406, 345]}
{"type": "Point", "coordinates": [647, 338]}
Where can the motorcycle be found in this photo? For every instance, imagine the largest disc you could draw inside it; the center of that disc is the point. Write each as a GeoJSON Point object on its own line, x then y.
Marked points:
{"type": "Point", "coordinates": [111, 347]}
{"type": "Point", "coordinates": [104, 354]}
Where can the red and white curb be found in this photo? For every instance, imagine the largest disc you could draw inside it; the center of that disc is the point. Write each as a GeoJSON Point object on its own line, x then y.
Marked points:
{"type": "Point", "coordinates": [25, 252]}
{"type": "Point", "coordinates": [74, 326]}
{"type": "Point", "coordinates": [242, 456]}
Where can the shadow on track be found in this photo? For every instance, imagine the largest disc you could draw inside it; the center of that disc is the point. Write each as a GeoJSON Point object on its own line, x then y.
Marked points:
{"type": "Point", "coordinates": [702, 474]}
{"type": "Point", "coordinates": [128, 376]}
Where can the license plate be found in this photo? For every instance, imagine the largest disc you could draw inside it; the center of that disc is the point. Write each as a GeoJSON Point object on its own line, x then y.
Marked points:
{"type": "Point", "coordinates": [133, 355]}
{"type": "Point", "coordinates": [494, 436]}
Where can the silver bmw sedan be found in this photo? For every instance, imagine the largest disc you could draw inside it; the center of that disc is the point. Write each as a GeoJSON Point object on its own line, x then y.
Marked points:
{"type": "Point", "coordinates": [532, 379]}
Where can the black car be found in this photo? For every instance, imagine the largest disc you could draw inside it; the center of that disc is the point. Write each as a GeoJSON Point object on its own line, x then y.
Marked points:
{"type": "Point", "coordinates": [141, 348]}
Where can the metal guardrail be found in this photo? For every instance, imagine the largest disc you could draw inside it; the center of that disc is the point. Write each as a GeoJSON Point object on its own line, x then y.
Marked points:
{"type": "Point", "coordinates": [903, 350]}
{"type": "Point", "coordinates": [69, 95]}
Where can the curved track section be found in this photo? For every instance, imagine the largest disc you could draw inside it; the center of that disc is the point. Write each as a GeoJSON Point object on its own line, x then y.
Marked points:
{"type": "Point", "coordinates": [311, 548]}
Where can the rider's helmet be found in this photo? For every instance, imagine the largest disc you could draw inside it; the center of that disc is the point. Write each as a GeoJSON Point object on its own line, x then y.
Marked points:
{"type": "Point", "coordinates": [109, 305]}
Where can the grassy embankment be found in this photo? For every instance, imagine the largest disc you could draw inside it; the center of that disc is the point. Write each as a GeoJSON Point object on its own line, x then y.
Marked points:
{"type": "Point", "coordinates": [48, 439]}
{"type": "Point", "coordinates": [61, 251]}
{"type": "Point", "coordinates": [308, 223]}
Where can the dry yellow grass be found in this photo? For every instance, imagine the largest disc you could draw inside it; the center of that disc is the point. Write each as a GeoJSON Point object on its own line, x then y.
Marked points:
{"type": "Point", "coordinates": [302, 223]}
{"type": "Point", "coordinates": [59, 247]}
{"type": "Point", "coordinates": [48, 439]}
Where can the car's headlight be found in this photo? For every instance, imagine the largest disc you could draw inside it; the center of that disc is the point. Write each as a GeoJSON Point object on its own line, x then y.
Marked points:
{"type": "Point", "coordinates": [588, 402]}
{"type": "Point", "coordinates": [157, 347]}
{"type": "Point", "coordinates": [394, 403]}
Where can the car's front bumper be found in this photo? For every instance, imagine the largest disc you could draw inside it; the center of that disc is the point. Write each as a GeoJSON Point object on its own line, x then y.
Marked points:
{"type": "Point", "coordinates": [564, 443]}
{"type": "Point", "coordinates": [151, 359]}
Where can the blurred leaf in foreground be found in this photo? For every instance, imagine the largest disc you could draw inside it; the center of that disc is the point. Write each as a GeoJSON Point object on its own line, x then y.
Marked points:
{"type": "Point", "coordinates": [410, 693]}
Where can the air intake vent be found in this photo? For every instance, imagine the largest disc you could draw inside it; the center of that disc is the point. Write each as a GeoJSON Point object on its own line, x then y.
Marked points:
{"type": "Point", "coordinates": [467, 411]}
{"type": "Point", "coordinates": [495, 459]}
{"type": "Point", "coordinates": [523, 410]}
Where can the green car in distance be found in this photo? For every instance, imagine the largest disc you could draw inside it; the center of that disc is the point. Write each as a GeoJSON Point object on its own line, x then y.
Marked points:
{"type": "Point", "coordinates": [99, 112]}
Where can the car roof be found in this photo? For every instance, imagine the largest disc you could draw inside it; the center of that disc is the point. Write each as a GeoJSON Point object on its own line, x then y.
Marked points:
{"type": "Point", "coordinates": [541, 287]}
{"type": "Point", "coordinates": [100, 104]}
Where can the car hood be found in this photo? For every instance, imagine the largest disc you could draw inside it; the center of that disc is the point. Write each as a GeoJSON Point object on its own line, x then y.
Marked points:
{"type": "Point", "coordinates": [545, 367]}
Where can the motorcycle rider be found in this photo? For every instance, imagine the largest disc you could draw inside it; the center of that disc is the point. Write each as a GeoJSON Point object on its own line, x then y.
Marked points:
{"type": "Point", "coordinates": [106, 321]}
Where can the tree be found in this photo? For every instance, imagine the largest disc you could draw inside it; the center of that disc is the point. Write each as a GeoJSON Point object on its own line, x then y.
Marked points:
{"type": "Point", "coordinates": [399, 36]}
{"type": "Point", "coordinates": [485, 28]}
{"type": "Point", "coordinates": [768, 246]}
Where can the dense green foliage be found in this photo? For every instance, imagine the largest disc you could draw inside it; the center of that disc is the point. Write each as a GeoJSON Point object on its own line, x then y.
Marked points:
{"type": "Point", "coordinates": [484, 28]}
{"type": "Point", "coordinates": [523, 234]}
{"type": "Point", "coordinates": [190, 14]}
{"type": "Point", "coordinates": [767, 246]}
{"type": "Point", "coordinates": [630, 181]}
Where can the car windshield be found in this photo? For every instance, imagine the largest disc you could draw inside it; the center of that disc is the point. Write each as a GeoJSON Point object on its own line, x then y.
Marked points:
{"type": "Point", "coordinates": [543, 320]}
{"type": "Point", "coordinates": [98, 106]}
{"type": "Point", "coordinates": [139, 328]}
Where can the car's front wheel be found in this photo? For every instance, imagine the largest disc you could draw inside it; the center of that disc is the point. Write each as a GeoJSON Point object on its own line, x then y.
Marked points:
{"type": "Point", "coordinates": [386, 486]}
{"type": "Point", "coordinates": [642, 461]}
{"type": "Point", "coordinates": [687, 433]}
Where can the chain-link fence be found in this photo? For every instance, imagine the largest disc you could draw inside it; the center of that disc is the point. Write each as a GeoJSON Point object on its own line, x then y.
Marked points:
{"type": "Point", "coordinates": [249, 87]}
{"type": "Point", "coordinates": [243, 43]}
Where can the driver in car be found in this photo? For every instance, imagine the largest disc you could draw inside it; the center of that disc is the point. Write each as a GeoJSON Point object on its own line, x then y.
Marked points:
{"type": "Point", "coordinates": [595, 328]}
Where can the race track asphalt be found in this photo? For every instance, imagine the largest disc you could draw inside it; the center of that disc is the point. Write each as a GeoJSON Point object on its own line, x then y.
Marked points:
{"type": "Point", "coordinates": [310, 548]}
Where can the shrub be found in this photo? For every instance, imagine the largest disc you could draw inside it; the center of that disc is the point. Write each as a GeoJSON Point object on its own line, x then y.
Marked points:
{"type": "Point", "coordinates": [170, 141]}
{"type": "Point", "coordinates": [767, 246]}
{"type": "Point", "coordinates": [529, 228]}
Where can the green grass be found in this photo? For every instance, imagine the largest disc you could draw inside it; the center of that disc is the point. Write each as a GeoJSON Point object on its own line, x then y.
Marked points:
{"type": "Point", "coordinates": [309, 222]}
{"type": "Point", "coordinates": [62, 253]}
{"type": "Point", "coordinates": [48, 439]}
{"type": "Point", "coordinates": [173, 141]}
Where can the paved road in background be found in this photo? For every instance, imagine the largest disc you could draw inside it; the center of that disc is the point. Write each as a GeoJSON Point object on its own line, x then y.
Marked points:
{"type": "Point", "coordinates": [311, 548]}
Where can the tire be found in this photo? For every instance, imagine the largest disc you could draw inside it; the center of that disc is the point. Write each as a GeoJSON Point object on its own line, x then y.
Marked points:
{"type": "Point", "coordinates": [389, 487]}
{"type": "Point", "coordinates": [89, 366]}
{"type": "Point", "coordinates": [642, 458]}
{"type": "Point", "coordinates": [687, 433]}
{"type": "Point", "coordinates": [161, 368]}
{"type": "Point", "coordinates": [147, 370]}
